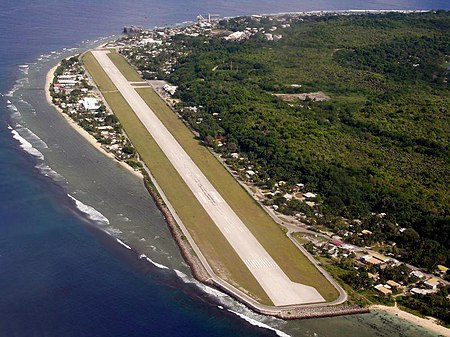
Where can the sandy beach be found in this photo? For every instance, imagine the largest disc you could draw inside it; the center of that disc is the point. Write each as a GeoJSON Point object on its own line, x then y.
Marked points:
{"type": "Point", "coordinates": [79, 129]}
{"type": "Point", "coordinates": [426, 323]}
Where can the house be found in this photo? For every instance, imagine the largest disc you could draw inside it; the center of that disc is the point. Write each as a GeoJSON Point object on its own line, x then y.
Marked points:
{"type": "Point", "coordinates": [394, 284]}
{"type": "Point", "coordinates": [170, 89]}
{"type": "Point", "coordinates": [236, 36]}
{"type": "Point", "coordinates": [336, 243]}
{"type": "Point", "coordinates": [90, 103]}
{"type": "Point", "coordinates": [374, 277]}
{"type": "Point", "coordinates": [418, 291]}
{"type": "Point", "coordinates": [382, 289]}
{"type": "Point", "coordinates": [432, 283]}
{"type": "Point", "coordinates": [67, 77]}
{"type": "Point", "coordinates": [418, 274]}
{"type": "Point", "coordinates": [366, 232]}
{"type": "Point", "coordinates": [442, 269]}
{"type": "Point", "coordinates": [288, 196]}
{"type": "Point", "coordinates": [150, 41]}
{"type": "Point", "coordinates": [310, 195]}
{"type": "Point", "coordinates": [372, 261]}
{"type": "Point", "coordinates": [67, 83]}
{"type": "Point", "coordinates": [380, 257]}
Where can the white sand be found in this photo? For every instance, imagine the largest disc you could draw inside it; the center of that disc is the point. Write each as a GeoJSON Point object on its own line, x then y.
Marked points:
{"type": "Point", "coordinates": [426, 323]}
{"type": "Point", "coordinates": [79, 129]}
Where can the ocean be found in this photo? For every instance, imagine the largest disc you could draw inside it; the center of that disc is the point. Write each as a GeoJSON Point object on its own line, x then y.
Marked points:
{"type": "Point", "coordinates": [83, 249]}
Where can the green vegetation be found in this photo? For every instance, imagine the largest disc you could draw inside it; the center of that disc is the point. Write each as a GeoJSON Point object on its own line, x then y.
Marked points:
{"type": "Point", "coordinates": [436, 305]}
{"type": "Point", "coordinates": [380, 145]}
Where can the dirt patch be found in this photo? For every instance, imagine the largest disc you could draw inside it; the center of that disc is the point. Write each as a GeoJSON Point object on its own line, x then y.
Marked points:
{"type": "Point", "coordinates": [318, 96]}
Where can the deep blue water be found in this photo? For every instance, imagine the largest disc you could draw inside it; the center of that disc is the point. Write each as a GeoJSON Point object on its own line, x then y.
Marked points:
{"type": "Point", "coordinates": [59, 274]}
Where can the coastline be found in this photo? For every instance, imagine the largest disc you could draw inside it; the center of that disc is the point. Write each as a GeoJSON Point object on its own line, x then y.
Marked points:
{"type": "Point", "coordinates": [79, 129]}
{"type": "Point", "coordinates": [426, 323]}
{"type": "Point", "coordinates": [199, 274]}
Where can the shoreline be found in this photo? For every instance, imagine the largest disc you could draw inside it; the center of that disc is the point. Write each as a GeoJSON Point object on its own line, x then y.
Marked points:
{"type": "Point", "coordinates": [86, 135]}
{"type": "Point", "coordinates": [201, 273]}
{"type": "Point", "coordinates": [194, 255]}
{"type": "Point", "coordinates": [430, 324]}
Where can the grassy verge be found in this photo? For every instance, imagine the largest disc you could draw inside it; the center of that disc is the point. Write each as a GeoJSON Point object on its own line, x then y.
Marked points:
{"type": "Point", "coordinates": [294, 263]}
{"type": "Point", "coordinates": [221, 256]}
{"type": "Point", "coordinates": [126, 70]}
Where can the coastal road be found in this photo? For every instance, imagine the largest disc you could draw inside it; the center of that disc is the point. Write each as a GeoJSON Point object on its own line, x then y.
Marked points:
{"type": "Point", "coordinates": [280, 289]}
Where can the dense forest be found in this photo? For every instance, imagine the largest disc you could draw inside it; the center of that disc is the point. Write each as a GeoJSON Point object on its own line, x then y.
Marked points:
{"type": "Point", "coordinates": [380, 144]}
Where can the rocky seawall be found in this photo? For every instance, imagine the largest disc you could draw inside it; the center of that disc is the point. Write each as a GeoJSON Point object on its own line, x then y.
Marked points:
{"type": "Point", "coordinates": [197, 269]}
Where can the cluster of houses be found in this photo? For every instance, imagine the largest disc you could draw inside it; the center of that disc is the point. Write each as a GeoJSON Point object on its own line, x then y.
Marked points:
{"type": "Point", "coordinates": [425, 286]}
{"type": "Point", "coordinates": [387, 288]}
{"type": "Point", "coordinates": [140, 48]}
{"type": "Point", "coordinates": [72, 93]}
{"type": "Point", "coordinates": [421, 284]}
{"type": "Point", "coordinates": [248, 32]}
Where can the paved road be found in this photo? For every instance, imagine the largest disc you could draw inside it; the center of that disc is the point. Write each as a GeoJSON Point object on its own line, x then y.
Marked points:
{"type": "Point", "coordinates": [280, 289]}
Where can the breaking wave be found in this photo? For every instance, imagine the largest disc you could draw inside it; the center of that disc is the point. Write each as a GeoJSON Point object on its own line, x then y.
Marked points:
{"type": "Point", "coordinates": [91, 212]}
{"type": "Point", "coordinates": [113, 231]}
{"type": "Point", "coordinates": [49, 172]}
{"type": "Point", "coordinates": [123, 244]}
{"type": "Point", "coordinates": [249, 316]}
{"type": "Point", "coordinates": [161, 266]}
{"type": "Point", "coordinates": [14, 111]}
{"type": "Point", "coordinates": [31, 137]}
{"type": "Point", "coordinates": [19, 84]}
{"type": "Point", "coordinates": [259, 324]}
{"type": "Point", "coordinates": [210, 291]}
{"type": "Point", "coordinates": [25, 145]}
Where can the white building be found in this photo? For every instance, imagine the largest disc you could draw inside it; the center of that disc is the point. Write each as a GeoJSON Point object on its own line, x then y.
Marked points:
{"type": "Point", "coordinates": [90, 103]}
{"type": "Point", "coordinates": [150, 41]}
{"type": "Point", "coordinates": [236, 36]}
{"type": "Point", "coordinates": [170, 89]}
{"type": "Point", "coordinates": [67, 83]}
{"type": "Point", "coordinates": [418, 291]}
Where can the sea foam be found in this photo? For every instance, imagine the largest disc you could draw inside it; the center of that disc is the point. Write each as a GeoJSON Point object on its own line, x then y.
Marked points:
{"type": "Point", "coordinates": [49, 172]}
{"type": "Point", "coordinates": [26, 146]}
{"type": "Point", "coordinates": [123, 244]}
{"type": "Point", "coordinates": [15, 114]}
{"type": "Point", "coordinates": [161, 266]}
{"type": "Point", "coordinates": [210, 291]}
{"type": "Point", "coordinates": [259, 324]}
{"type": "Point", "coordinates": [231, 303]}
{"type": "Point", "coordinates": [32, 137]}
{"type": "Point", "coordinates": [91, 212]}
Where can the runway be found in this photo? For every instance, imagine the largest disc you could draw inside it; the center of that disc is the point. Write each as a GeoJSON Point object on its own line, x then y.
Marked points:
{"type": "Point", "coordinates": [280, 289]}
